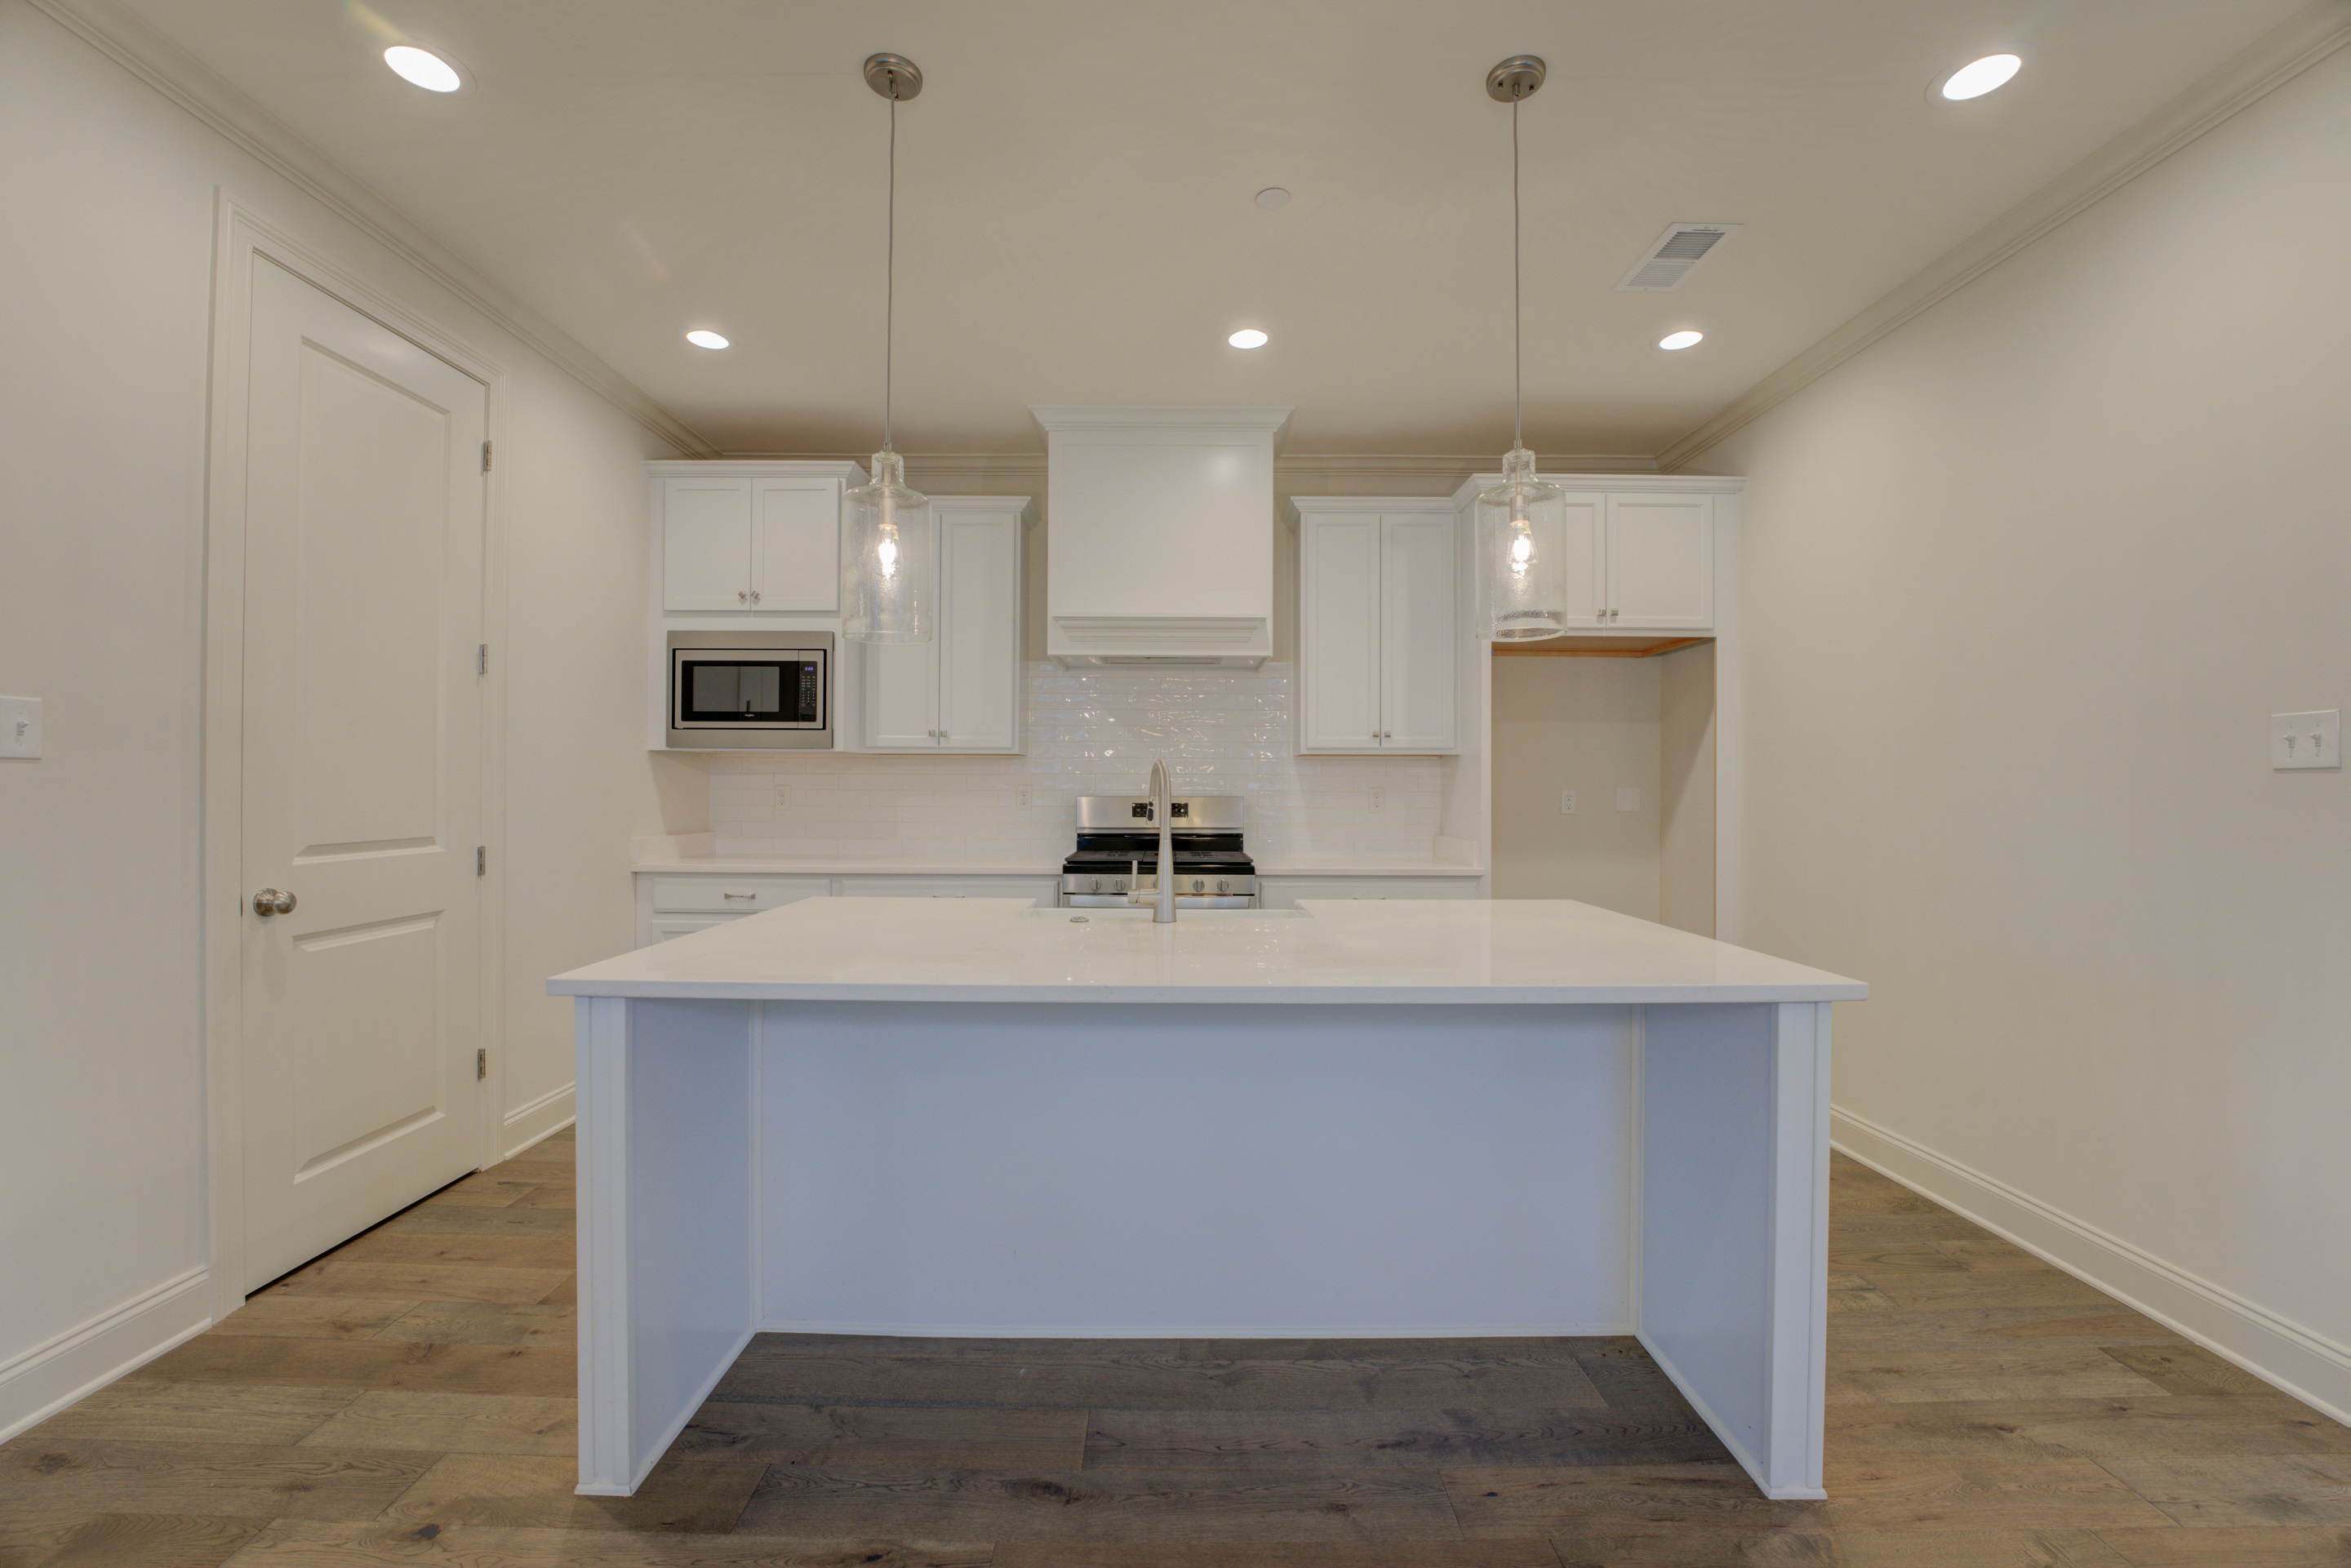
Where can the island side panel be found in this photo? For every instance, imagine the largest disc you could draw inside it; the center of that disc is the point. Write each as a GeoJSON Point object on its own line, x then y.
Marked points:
{"type": "Point", "coordinates": [1202, 1170]}
{"type": "Point", "coordinates": [1734, 1226]}
{"type": "Point", "coordinates": [665, 1142]}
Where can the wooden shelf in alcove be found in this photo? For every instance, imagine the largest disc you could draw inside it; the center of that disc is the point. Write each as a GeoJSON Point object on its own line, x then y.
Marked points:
{"type": "Point", "coordinates": [1594, 647]}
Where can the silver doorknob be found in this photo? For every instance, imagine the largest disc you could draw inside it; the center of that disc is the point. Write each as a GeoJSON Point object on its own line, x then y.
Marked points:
{"type": "Point", "coordinates": [269, 901]}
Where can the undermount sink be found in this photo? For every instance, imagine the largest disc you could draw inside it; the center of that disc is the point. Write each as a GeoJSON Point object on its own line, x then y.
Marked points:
{"type": "Point", "coordinates": [1142, 912]}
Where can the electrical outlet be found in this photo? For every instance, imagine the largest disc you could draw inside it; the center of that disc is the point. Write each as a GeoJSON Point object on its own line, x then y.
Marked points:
{"type": "Point", "coordinates": [2307, 739]}
{"type": "Point", "coordinates": [1021, 794]}
{"type": "Point", "coordinates": [783, 794]}
{"type": "Point", "coordinates": [1628, 797]}
{"type": "Point", "coordinates": [20, 726]}
{"type": "Point", "coordinates": [1567, 803]}
{"type": "Point", "coordinates": [1379, 798]}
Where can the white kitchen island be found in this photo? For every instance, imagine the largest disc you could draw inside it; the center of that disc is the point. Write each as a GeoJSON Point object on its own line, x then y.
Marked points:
{"type": "Point", "coordinates": [974, 1116]}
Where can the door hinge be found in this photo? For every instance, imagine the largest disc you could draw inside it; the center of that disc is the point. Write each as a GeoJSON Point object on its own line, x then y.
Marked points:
{"type": "Point", "coordinates": [481, 659]}
{"type": "Point", "coordinates": [481, 860]}
{"type": "Point", "coordinates": [481, 1064]}
{"type": "Point", "coordinates": [486, 457]}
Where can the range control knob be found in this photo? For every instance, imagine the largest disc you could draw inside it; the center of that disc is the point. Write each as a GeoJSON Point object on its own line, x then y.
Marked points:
{"type": "Point", "coordinates": [1224, 886]}
{"type": "Point", "coordinates": [1094, 885]}
{"type": "Point", "coordinates": [1197, 884]}
{"type": "Point", "coordinates": [1119, 886]}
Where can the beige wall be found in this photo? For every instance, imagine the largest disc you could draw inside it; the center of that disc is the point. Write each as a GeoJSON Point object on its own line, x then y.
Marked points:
{"type": "Point", "coordinates": [1592, 725]}
{"type": "Point", "coordinates": [105, 300]}
{"type": "Point", "coordinates": [2023, 583]}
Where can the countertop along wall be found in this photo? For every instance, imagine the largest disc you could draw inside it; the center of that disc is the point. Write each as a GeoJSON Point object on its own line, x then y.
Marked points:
{"type": "Point", "coordinates": [105, 305]}
{"type": "Point", "coordinates": [2025, 583]}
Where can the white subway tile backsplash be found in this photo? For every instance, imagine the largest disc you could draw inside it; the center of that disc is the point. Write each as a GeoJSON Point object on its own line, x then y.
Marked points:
{"type": "Point", "coordinates": [1090, 732]}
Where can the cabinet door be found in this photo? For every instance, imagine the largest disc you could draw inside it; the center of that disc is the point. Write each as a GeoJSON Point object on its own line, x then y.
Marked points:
{"type": "Point", "coordinates": [1584, 540]}
{"type": "Point", "coordinates": [1661, 561]}
{"type": "Point", "coordinates": [902, 695]}
{"type": "Point", "coordinates": [1416, 632]}
{"type": "Point", "coordinates": [1338, 631]}
{"type": "Point", "coordinates": [796, 545]}
{"type": "Point", "coordinates": [979, 630]}
{"type": "Point", "coordinates": [705, 544]}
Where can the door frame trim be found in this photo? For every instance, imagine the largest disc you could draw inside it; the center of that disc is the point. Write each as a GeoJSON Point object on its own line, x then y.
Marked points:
{"type": "Point", "coordinates": [241, 233]}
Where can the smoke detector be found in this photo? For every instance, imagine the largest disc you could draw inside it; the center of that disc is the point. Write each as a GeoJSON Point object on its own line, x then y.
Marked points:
{"type": "Point", "coordinates": [1667, 264]}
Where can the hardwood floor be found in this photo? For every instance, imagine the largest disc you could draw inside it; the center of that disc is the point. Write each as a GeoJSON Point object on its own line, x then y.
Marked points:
{"type": "Point", "coordinates": [408, 1400]}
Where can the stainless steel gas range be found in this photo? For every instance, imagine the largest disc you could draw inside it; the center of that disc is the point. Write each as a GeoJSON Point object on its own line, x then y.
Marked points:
{"type": "Point", "coordinates": [1118, 848]}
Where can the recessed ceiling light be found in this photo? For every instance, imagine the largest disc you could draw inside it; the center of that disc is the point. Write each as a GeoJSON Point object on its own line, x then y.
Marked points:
{"type": "Point", "coordinates": [425, 68]}
{"type": "Point", "coordinates": [1681, 339]}
{"type": "Point", "coordinates": [703, 339]}
{"type": "Point", "coordinates": [1979, 77]}
{"type": "Point", "coordinates": [1247, 337]}
{"type": "Point", "coordinates": [1272, 196]}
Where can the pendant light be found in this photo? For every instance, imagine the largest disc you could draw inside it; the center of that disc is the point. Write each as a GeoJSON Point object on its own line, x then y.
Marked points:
{"type": "Point", "coordinates": [887, 566]}
{"type": "Point", "coordinates": [1522, 522]}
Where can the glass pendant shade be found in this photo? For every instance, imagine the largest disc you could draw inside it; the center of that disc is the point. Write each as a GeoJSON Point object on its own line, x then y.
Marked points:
{"type": "Point", "coordinates": [886, 568]}
{"type": "Point", "coordinates": [1523, 548]}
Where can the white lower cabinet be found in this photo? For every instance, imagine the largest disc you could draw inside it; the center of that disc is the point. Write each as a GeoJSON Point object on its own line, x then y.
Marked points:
{"type": "Point", "coordinates": [673, 904]}
{"type": "Point", "coordinates": [962, 690]}
{"type": "Point", "coordinates": [1378, 627]}
{"type": "Point", "coordinates": [1284, 892]}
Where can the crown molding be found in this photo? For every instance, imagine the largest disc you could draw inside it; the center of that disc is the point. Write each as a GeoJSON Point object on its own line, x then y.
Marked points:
{"type": "Point", "coordinates": [2271, 61]}
{"type": "Point", "coordinates": [946, 472]}
{"type": "Point", "coordinates": [130, 42]}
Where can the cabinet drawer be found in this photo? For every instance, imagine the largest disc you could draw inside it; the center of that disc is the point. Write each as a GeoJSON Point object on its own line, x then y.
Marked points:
{"type": "Point", "coordinates": [1040, 888]}
{"type": "Point", "coordinates": [1284, 892]}
{"type": "Point", "coordinates": [682, 926]}
{"type": "Point", "coordinates": [735, 894]}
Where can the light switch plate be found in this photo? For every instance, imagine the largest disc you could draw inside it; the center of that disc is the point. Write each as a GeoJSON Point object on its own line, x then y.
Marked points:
{"type": "Point", "coordinates": [20, 726]}
{"type": "Point", "coordinates": [2307, 739]}
{"type": "Point", "coordinates": [1628, 797]}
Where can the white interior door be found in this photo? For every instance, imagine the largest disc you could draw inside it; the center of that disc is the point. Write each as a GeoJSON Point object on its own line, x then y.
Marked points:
{"type": "Point", "coordinates": [1661, 561]}
{"type": "Point", "coordinates": [1416, 632]}
{"type": "Point", "coordinates": [1338, 631]}
{"type": "Point", "coordinates": [796, 545]}
{"type": "Point", "coordinates": [706, 544]}
{"type": "Point", "coordinates": [363, 779]}
{"type": "Point", "coordinates": [979, 629]}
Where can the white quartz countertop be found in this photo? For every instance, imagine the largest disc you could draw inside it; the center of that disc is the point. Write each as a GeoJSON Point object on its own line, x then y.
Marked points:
{"type": "Point", "coordinates": [769, 865]}
{"type": "Point", "coordinates": [1326, 951]}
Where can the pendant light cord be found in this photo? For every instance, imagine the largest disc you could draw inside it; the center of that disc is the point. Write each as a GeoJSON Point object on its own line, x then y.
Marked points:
{"type": "Point", "coordinates": [1517, 329]}
{"type": "Point", "coordinates": [890, 267]}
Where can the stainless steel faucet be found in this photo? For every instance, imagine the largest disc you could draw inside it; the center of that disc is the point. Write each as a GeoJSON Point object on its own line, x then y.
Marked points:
{"type": "Point", "coordinates": [1163, 913]}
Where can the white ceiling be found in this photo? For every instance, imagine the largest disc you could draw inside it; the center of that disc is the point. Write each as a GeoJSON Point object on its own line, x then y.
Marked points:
{"type": "Point", "coordinates": [1076, 222]}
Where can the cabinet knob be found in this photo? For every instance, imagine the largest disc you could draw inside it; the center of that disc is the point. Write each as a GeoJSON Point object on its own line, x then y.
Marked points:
{"type": "Point", "coordinates": [754, 596]}
{"type": "Point", "coordinates": [742, 596]}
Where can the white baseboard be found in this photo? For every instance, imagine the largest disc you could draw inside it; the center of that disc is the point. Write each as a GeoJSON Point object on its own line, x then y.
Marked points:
{"type": "Point", "coordinates": [542, 1118]}
{"type": "Point", "coordinates": [44, 1380]}
{"type": "Point", "coordinates": [2303, 1362]}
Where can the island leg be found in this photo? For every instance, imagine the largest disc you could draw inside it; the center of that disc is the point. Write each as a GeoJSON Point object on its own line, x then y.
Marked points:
{"type": "Point", "coordinates": [1733, 1278]}
{"type": "Point", "coordinates": [664, 1105]}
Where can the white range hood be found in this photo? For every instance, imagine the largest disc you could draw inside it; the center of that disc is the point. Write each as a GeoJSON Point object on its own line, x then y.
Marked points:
{"type": "Point", "coordinates": [1159, 547]}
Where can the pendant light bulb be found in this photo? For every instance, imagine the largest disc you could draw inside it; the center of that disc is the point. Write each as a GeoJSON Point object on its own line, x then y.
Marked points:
{"type": "Point", "coordinates": [887, 567]}
{"type": "Point", "coordinates": [1522, 522]}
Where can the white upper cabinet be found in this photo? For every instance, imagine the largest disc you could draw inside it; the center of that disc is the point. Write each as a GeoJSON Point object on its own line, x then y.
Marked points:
{"type": "Point", "coordinates": [751, 539]}
{"type": "Point", "coordinates": [1377, 626]}
{"type": "Point", "coordinates": [796, 545]}
{"type": "Point", "coordinates": [705, 544]}
{"type": "Point", "coordinates": [1660, 562]}
{"type": "Point", "coordinates": [1584, 546]}
{"type": "Point", "coordinates": [962, 690]}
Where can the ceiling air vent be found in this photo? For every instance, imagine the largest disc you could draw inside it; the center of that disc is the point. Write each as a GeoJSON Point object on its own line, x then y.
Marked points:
{"type": "Point", "coordinates": [1674, 257]}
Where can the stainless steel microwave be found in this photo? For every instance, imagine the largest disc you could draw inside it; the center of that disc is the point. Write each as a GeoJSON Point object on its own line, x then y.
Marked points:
{"type": "Point", "coordinates": [750, 690]}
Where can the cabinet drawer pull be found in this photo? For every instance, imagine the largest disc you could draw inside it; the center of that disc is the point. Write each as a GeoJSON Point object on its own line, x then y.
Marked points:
{"type": "Point", "coordinates": [752, 895]}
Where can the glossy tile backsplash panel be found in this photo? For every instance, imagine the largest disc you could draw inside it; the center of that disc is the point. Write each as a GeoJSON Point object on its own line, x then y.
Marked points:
{"type": "Point", "coordinates": [1090, 732]}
